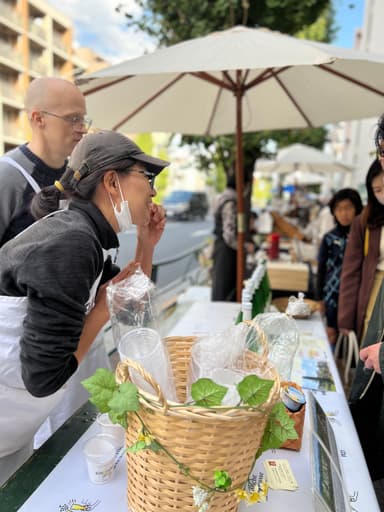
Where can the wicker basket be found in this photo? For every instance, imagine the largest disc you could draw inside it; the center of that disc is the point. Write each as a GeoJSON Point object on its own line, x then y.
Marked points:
{"type": "Point", "coordinates": [203, 439]}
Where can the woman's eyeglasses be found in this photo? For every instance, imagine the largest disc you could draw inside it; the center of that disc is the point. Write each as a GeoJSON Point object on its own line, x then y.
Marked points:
{"type": "Point", "coordinates": [150, 177]}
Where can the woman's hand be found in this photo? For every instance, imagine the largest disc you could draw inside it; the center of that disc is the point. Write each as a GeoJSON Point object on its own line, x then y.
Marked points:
{"type": "Point", "coordinates": [370, 357]}
{"type": "Point", "coordinates": [126, 272]}
{"type": "Point", "coordinates": [151, 233]}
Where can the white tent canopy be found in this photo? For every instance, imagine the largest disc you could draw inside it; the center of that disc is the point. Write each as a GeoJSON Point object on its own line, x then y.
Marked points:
{"type": "Point", "coordinates": [299, 157]}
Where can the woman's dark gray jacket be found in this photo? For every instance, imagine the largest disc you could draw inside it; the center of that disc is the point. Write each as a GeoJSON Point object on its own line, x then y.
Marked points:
{"type": "Point", "coordinates": [54, 263]}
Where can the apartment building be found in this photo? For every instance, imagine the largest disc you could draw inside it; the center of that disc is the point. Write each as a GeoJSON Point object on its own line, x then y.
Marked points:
{"type": "Point", "coordinates": [353, 141]}
{"type": "Point", "coordinates": [35, 40]}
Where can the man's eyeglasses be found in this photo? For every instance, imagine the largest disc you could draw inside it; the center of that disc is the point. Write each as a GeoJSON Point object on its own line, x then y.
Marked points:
{"type": "Point", "coordinates": [74, 121]}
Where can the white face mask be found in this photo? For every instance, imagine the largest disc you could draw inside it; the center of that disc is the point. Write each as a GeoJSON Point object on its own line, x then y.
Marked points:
{"type": "Point", "coordinates": [380, 199]}
{"type": "Point", "coordinates": [123, 217]}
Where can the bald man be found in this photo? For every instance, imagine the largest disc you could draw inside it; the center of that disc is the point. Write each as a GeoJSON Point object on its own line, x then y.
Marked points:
{"type": "Point", "coordinates": [56, 113]}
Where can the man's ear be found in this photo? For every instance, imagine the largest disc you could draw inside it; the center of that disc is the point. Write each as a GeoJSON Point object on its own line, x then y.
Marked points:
{"type": "Point", "coordinates": [36, 117]}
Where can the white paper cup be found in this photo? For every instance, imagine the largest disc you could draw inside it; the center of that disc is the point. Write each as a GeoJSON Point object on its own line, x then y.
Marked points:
{"type": "Point", "coordinates": [100, 456]}
{"type": "Point", "coordinates": [114, 430]}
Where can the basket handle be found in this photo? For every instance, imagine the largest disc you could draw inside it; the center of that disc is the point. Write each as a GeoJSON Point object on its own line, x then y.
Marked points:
{"type": "Point", "coordinates": [122, 375]}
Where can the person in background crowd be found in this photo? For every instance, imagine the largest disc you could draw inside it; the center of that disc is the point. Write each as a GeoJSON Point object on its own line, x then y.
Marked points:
{"type": "Point", "coordinates": [225, 245]}
{"type": "Point", "coordinates": [56, 114]}
{"type": "Point", "coordinates": [53, 279]}
{"type": "Point", "coordinates": [361, 308]}
{"type": "Point", "coordinates": [344, 205]}
{"type": "Point", "coordinates": [321, 221]}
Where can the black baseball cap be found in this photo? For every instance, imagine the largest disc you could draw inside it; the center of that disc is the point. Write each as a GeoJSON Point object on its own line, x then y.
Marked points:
{"type": "Point", "coordinates": [106, 149]}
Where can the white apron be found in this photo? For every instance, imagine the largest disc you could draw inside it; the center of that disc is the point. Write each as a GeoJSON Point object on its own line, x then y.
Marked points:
{"type": "Point", "coordinates": [76, 395]}
{"type": "Point", "coordinates": [21, 414]}
{"type": "Point", "coordinates": [28, 412]}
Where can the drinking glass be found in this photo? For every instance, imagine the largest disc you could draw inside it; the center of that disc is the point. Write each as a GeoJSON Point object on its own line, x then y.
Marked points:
{"type": "Point", "coordinates": [145, 346]}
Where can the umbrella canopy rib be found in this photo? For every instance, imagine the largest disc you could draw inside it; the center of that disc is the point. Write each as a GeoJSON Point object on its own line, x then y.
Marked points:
{"type": "Point", "coordinates": [103, 86]}
{"type": "Point", "coordinates": [265, 75]}
{"type": "Point", "coordinates": [350, 79]}
{"type": "Point", "coordinates": [213, 111]}
{"type": "Point", "coordinates": [229, 79]}
{"type": "Point", "coordinates": [147, 102]}
{"type": "Point", "coordinates": [213, 80]}
{"type": "Point", "coordinates": [299, 109]}
{"type": "Point", "coordinates": [243, 82]}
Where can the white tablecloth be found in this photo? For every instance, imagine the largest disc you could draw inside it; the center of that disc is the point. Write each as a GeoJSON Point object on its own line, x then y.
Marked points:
{"type": "Point", "coordinates": [68, 484]}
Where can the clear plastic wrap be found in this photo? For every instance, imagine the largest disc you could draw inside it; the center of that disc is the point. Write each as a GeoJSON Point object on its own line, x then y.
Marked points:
{"type": "Point", "coordinates": [131, 304]}
{"type": "Point", "coordinates": [134, 321]}
{"type": "Point", "coordinates": [297, 307]}
{"type": "Point", "coordinates": [283, 340]}
{"type": "Point", "coordinates": [223, 357]}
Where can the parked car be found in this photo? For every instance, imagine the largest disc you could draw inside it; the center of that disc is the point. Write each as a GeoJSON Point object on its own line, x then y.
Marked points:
{"type": "Point", "coordinates": [186, 205]}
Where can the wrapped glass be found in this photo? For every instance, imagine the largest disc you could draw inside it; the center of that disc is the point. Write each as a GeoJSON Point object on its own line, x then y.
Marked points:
{"type": "Point", "coordinates": [131, 304]}
{"type": "Point", "coordinates": [282, 337]}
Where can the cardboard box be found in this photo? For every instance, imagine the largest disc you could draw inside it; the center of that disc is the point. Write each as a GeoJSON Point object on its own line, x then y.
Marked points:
{"type": "Point", "coordinates": [288, 276]}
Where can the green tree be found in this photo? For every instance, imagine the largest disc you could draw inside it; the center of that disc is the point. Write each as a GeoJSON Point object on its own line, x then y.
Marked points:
{"type": "Point", "coordinates": [147, 143]}
{"type": "Point", "coordinates": [172, 21]}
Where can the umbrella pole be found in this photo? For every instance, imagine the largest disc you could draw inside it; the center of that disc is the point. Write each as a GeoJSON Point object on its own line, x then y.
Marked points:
{"type": "Point", "coordinates": [239, 188]}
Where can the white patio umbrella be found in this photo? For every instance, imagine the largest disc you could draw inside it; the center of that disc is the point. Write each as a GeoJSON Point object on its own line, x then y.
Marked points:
{"type": "Point", "coordinates": [234, 81]}
{"type": "Point", "coordinates": [300, 157]}
{"type": "Point", "coordinates": [304, 178]}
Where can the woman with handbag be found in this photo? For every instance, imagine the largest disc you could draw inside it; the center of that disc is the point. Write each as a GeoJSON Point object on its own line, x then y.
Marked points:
{"type": "Point", "coordinates": [53, 279]}
{"type": "Point", "coordinates": [361, 309]}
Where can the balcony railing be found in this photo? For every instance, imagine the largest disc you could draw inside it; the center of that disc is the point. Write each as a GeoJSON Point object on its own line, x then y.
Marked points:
{"type": "Point", "coordinates": [37, 30]}
{"type": "Point", "coordinates": [38, 66]}
{"type": "Point", "coordinates": [59, 43]}
{"type": "Point", "coordinates": [10, 13]}
{"type": "Point", "coordinates": [9, 52]}
{"type": "Point", "coordinates": [9, 90]}
{"type": "Point", "coordinates": [12, 128]}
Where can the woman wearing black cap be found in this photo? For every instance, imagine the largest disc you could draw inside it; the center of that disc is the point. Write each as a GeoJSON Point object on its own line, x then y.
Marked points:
{"type": "Point", "coordinates": [50, 312]}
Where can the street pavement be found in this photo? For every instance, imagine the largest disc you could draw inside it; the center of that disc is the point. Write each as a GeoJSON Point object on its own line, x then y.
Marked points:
{"type": "Point", "coordinates": [178, 237]}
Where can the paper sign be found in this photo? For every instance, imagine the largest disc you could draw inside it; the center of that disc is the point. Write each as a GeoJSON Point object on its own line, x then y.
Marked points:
{"type": "Point", "coordinates": [280, 475]}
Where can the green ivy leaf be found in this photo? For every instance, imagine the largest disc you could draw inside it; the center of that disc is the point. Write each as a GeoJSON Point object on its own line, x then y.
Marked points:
{"type": "Point", "coordinates": [121, 419]}
{"type": "Point", "coordinates": [124, 399]}
{"type": "Point", "coordinates": [207, 393]}
{"type": "Point", "coordinates": [140, 445]}
{"type": "Point", "coordinates": [154, 446]}
{"type": "Point", "coordinates": [254, 391]}
{"type": "Point", "coordinates": [222, 480]}
{"type": "Point", "coordinates": [279, 428]}
{"type": "Point", "coordinates": [101, 386]}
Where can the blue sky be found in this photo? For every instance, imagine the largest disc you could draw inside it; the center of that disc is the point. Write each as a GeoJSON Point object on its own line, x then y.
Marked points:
{"type": "Point", "coordinates": [98, 26]}
{"type": "Point", "coordinates": [349, 17]}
